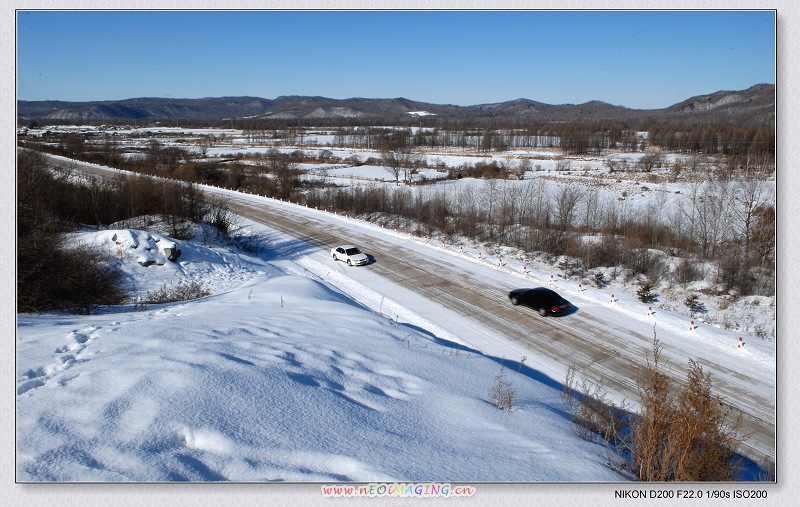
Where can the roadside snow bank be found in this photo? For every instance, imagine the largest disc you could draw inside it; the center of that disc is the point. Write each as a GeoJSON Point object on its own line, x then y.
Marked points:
{"type": "Point", "coordinates": [279, 378]}
{"type": "Point", "coordinates": [150, 260]}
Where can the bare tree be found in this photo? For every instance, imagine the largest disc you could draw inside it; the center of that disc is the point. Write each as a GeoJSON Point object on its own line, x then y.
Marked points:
{"type": "Point", "coordinates": [566, 204]}
{"type": "Point", "coordinates": [687, 212]}
{"type": "Point", "coordinates": [410, 165]}
{"type": "Point", "coordinates": [714, 217]}
{"type": "Point", "coordinates": [650, 161]}
{"type": "Point", "coordinates": [522, 167]}
{"type": "Point", "coordinates": [591, 210]}
{"type": "Point", "coordinates": [391, 161]}
{"type": "Point", "coordinates": [614, 164]}
{"type": "Point", "coordinates": [752, 196]}
{"type": "Point", "coordinates": [538, 210]}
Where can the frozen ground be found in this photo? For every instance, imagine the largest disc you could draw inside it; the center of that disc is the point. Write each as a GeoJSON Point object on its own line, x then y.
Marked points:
{"type": "Point", "coordinates": [277, 376]}
{"type": "Point", "coordinates": [294, 370]}
{"type": "Point", "coordinates": [246, 385]}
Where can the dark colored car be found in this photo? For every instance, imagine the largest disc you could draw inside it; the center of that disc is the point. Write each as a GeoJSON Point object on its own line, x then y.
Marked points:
{"type": "Point", "coordinates": [544, 301]}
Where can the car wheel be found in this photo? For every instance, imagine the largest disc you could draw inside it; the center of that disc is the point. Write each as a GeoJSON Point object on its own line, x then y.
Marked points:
{"type": "Point", "coordinates": [514, 300]}
{"type": "Point", "coordinates": [334, 257]}
{"type": "Point", "coordinates": [542, 312]}
{"type": "Point", "coordinates": [349, 263]}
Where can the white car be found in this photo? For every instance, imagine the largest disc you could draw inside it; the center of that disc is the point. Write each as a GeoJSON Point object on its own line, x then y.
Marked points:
{"type": "Point", "coordinates": [350, 254]}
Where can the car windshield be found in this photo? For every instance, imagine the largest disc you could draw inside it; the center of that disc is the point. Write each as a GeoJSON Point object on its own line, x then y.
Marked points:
{"type": "Point", "coordinates": [352, 251]}
{"type": "Point", "coordinates": [548, 295]}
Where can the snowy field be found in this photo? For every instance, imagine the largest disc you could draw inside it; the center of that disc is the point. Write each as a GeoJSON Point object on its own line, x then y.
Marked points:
{"type": "Point", "coordinates": [626, 195]}
{"type": "Point", "coordinates": [247, 385]}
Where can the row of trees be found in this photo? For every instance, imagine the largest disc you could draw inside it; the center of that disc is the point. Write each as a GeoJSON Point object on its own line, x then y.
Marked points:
{"type": "Point", "coordinates": [729, 223]}
{"type": "Point", "coordinates": [747, 150]}
{"type": "Point", "coordinates": [757, 142]}
{"type": "Point", "coordinates": [725, 215]}
{"type": "Point", "coordinates": [573, 139]}
{"type": "Point", "coordinates": [50, 274]}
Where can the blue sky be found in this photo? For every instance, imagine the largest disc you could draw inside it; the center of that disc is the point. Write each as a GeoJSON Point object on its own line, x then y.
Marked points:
{"type": "Point", "coordinates": [637, 59]}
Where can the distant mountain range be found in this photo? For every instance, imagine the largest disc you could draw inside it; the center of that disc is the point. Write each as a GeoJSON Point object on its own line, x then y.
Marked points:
{"type": "Point", "coordinates": [755, 105]}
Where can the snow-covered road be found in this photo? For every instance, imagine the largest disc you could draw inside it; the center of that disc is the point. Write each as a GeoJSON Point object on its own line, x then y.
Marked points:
{"type": "Point", "coordinates": [452, 290]}
{"type": "Point", "coordinates": [459, 293]}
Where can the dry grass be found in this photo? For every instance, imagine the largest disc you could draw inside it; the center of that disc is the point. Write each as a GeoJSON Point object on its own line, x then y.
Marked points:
{"type": "Point", "coordinates": [183, 291]}
{"type": "Point", "coordinates": [502, 392]}
{"type": "Point", "coordinates": [684, 434]}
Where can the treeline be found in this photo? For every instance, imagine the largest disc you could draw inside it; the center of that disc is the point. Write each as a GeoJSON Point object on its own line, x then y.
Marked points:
{"type": "Point", "coordinates": [725, 139]}
{"type": "Point", "coordinates": [52, 200]}
{"type": "Point", "coordinates": [273, 173]}
{"type": "Point", "coordinates": [729, 224]}
{"type": "Point", "coordinates": [757, 142]}
{"type": "Point", "coordinates": [726, 215]}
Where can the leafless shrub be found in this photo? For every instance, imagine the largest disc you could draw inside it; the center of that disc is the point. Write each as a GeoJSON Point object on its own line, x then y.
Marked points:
{"type": "Point", "coordinates": [685, 272]}
{"type": "Point", "coordinates": [568, 393]}
{"type": "Point", "coordinates": [681, 434]}
{"type": "Point", "coordinates": [182, 291]}
{"type": "Point", "coordinates": [220, 216]}
{"type": "Point", "coordinates": [650, 437]}
{"type": "Point", "coordinates": [594, 415]}
{"type": "Point", "coordinates": [502, 392]}
{"type": "Point", "coordinates": [702, 432]}
{"type": "Point", "coordinates": [251, 243]}
{"type": "Point", "coordinates": [59, 277]}
{"type": "Point", "coordinates": [688, 436]}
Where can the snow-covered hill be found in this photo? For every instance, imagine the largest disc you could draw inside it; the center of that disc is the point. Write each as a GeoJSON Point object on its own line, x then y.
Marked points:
{"type": "Point", "coordinates": [276, 376]}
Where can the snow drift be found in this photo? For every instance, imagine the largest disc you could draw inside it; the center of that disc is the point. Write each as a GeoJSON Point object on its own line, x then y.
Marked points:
{"type": "Point", "coordinates": [276, 376]}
